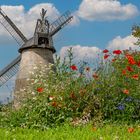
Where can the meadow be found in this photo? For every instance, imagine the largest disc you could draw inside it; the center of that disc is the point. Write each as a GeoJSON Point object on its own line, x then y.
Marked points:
{"type": "Point", "coordinates": [88, 132]}
{"type": "Point", "coordinates": [76, 101]}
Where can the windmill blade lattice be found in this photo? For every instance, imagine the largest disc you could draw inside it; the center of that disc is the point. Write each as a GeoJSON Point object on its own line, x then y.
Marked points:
{"type": "Point", "coordinates": [11, 28]}
{"type": "Point", "coordinates": [60, 23]}
{"type": "Point", "coordinates": [9, 71]}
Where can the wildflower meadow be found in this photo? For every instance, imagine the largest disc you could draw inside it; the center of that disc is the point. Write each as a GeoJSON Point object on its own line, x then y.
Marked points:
{"type": "Point", "coordinates": [77, 101]}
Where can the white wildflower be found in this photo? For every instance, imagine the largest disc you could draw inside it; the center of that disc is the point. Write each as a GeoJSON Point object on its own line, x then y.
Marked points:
{"type": "Point", "coordinates": [31, 72]}
{"type": "Point", "coordinates": [51, 98]}
{"type": "Point", "coordinates": [22, 90]}
{"type": "Point", "coordinates": [28, 79]}
{"type": "Point", "coordinates": [101, 138]}
{"type": "Point", "coordinates": [35, 68]}
{"type": "Point", "coordinates": [34, 98]}
{"type": "Point", "coordinates": [33, 93]}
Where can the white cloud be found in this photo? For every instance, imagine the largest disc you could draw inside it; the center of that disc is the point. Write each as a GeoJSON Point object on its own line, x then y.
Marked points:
{"type": "Point", "coordinates": [75, 20]}
{"type": "Point", "coordinates": [123, 43]}
{"type": "Point", "coordinates": [93, 53]}
{"type": "Point", "coordinates": [81, 52]}
{"type": "Point", "coordinates": [101, 10]}
{"type": "Point", "coordinates": [26, 21]}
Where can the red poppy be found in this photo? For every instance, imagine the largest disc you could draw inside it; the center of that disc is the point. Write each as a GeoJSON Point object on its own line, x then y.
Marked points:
{"type": "Point", "coordinates": [87, 68]}
{"type": "Point", "coordinates": [130, 59]}
{"type": "Point", "coordinates": [132, 62]}
{"type": "Point", "coordinates": [72, 95]}
{"type": "Point", "coordinates": [117, 52]}
{"type": "Point", "coordinates": [135, 76]}
{"type": "Point", "coordinates": [106, 56]}
{"type": "Point", "coordinates": [40, 89]}
{"type": "Point", "coordinates": [105, 51]}
{"type": "Point", "coordinates": [129, 68]}
{"type": "Point", "coordinates": [74, 67]}
{"type": "Point", "coordinates": [124, 72]}
{"type": "Point", "coordinates": [54, 104]}
{"type": "Point", "coordinates": [95, 76]}
{"type": "Point", "coordinates": [113, 60]}
{"type": "Point", "coordinates": [138, 64]}
{"type": "Point", "coordinates": [128, 56]}
{"type": "Point", "coordinates": [125, 91]}
{"type": "Point", "coordinates": [131, 130]}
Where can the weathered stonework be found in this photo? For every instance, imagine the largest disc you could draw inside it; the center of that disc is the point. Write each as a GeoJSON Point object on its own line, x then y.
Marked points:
{"type": "Point", "coordinates": [37, 52]}
{"type": "Point", "coordinates": [30, 59]}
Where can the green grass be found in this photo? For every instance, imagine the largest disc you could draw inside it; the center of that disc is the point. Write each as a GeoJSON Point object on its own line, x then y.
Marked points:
{"type": "Point", "coordinates": [108, 132]}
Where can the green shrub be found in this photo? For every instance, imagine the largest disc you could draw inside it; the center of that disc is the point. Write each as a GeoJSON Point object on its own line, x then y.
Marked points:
{"type": "Point", "coordinates": [119, 86]}
{"type": "Point", "coordinates": [70, 91]}
{"type": "Point", "coordinates": [55, 98]}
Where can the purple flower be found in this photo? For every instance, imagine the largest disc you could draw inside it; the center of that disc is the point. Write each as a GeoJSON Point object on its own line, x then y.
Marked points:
{"type": "Point", "coordinates": [99, 83]}
{"type": "Point", "coordinates": [121, 107]}
{"type": "Point", "coordinates": [128, 99]}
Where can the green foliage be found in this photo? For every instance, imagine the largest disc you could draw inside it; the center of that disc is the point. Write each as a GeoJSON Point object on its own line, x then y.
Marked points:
{"type": "Point", "coordinates": [55, 98]}
{"type": "Point", "coordinates": [136, 33]}
{"type": "Point", "coordinates": [119, 87]}
{"type": "Point", "coordinates": [70, 92]}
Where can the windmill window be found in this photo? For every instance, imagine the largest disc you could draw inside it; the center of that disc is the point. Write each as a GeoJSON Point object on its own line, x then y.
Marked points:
{"type": "Point", "coordinates": [42, 40]}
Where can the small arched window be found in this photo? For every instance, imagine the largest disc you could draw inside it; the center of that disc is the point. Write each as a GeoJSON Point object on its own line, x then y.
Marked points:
{"type": "Point", "coordinates": [43, 40]}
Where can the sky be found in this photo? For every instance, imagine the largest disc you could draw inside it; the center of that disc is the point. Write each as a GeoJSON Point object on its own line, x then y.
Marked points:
{"type": "Point", "coordinates": [97, 25]}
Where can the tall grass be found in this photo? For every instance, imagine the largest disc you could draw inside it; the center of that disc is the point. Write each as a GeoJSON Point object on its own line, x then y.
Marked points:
{"type": "Point", "coordinates": [66, 132]}
{"type": "Point", "coordinates": [69, 94]}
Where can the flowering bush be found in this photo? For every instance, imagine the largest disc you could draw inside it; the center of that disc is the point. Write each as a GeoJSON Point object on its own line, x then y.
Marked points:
{"type": "Point", "coordinates": [119, 86]}
{"type": "Point", "coordinates": [60, 96]}
{"type": "Point", "coordinates": [73, 91]}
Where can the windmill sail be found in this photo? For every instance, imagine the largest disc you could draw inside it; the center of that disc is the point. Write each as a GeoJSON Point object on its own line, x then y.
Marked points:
{"type": "Point", "coordinates": [60, 23]}
{"type": "Point", "coordinates": [9, 71]}
{"type": "Point", "coordinates": [12, 28]}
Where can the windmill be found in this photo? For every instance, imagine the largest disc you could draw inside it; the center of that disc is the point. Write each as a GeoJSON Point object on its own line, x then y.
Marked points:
{"type": "Point", "coordinates": [32, 51]}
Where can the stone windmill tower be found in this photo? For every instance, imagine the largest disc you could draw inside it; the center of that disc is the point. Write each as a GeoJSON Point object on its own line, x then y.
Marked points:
{"type": "Point", "coordinates": [32, 51]}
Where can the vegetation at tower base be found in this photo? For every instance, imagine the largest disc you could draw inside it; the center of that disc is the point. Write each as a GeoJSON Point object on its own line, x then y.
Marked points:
{"type": "Point", "coordinates": [68, 95]}
{"type": "Point", "coordinates": [32, 50]}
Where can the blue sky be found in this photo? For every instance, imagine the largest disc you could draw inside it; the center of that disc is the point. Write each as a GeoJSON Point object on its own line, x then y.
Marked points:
{"type": "Point", "coordinates": [87, 33]}
{"type": "Point", "coordinates": [98, 24]}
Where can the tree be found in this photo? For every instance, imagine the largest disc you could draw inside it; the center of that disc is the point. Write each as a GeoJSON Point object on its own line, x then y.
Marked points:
{"type": "Point", "coordinates": [136, 33]}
